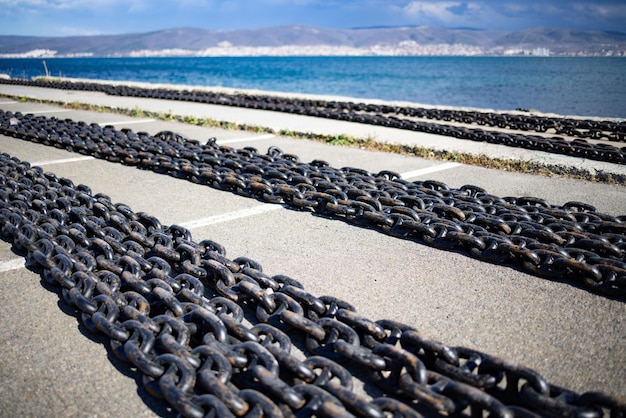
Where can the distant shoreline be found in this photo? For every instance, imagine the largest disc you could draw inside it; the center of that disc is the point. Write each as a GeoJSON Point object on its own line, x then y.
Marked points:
{"type": "Point", "coordinates": [580, 86]}
{"type": "Point", "coordinates": [298, 40]}
{"type": "Point", "coordinates": [3, 56]}
{"type": "Point", "coordinates": [225, 55]}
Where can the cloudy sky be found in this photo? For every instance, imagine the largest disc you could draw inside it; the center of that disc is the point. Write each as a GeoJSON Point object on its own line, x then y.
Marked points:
{"type": "Point", "coordinates": [98, 17]}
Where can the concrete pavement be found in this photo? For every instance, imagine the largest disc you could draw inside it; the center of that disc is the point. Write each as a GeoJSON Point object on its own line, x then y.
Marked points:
{"type": "Point", "coordinates": [50, 367]}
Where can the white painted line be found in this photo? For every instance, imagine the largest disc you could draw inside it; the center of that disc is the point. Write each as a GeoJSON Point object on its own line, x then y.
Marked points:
{"type": "Point", "coordinates": [18, 263]}
{"type": "Point", "coordinates": [49, 111]}
{"type": "Point", "coordinates": [225, 217]}
{"type": "Point", "coordinates": [428, 170]}
{"type": "Point", "coordinates": [254, 138]}
{"type": "Point", "coordinates": [11, 102]}
{"type": "Point", "coordinates": [127, 122]}
{"type": "Point", "coordinates": [63, 161]}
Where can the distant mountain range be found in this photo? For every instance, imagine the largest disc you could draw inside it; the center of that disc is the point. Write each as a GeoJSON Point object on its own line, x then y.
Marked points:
{"type": "Point", "coordinates": [307, 40]}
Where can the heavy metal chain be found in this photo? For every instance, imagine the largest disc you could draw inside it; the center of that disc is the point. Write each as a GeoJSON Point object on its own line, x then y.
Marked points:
{"type": "Point", "coordinates": [216, 337]}
{"type": "Point", "coordinates": [406, 117]}
{"type": "Point", "coordinates": [571, 242]}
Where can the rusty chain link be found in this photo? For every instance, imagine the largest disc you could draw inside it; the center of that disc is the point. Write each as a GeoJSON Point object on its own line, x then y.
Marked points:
{"type": "Point", "coordinates": [579, 131]}
{"type": "Point", "coordinates": [142, 284]}
{"type": "Point", "coordinates": [572, 242]}
{"type": "Point", "coordinates": [213, 336]}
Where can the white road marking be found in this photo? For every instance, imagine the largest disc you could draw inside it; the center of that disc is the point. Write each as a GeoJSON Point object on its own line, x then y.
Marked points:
{"type": "Point", "coordinates": [48, 111]}
{"type": "Point", "coordinates": [11, 102]}
{"type": "Point", "coordinates": [63, 161]}
{"type": "Point", "coordinates": [254, 138]}
{"type": "Point", "coordinates": [225, 217]}
{"type": "Point", "coordinates": [428, 170]}
{"type": "Point", "coordinates": [18, 263]}
{"type": "Point", "coordinates": [127, 122]}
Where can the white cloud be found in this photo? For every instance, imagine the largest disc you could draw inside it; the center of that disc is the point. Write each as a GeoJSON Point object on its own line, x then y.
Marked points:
{"type": "Point", "coordinates": [78, 31]}
{"type": "Point", "coordinates": [601, 10]}
{"type": "Point", "coordinates": [444, 12]}
{"type": "Point", "coordinates": [86, 4]}
{"type": "Point", "coordinates": [43, 5]}
{"type": "Point", "coordinates": [138, 6]}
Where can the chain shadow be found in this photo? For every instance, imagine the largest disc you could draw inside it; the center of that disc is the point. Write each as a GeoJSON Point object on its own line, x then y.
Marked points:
{"type": "Point", "coordinates": [159, 407]}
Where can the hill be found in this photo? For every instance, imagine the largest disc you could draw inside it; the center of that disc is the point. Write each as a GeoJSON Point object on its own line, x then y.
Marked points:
{"type": "Point", "coordinates": [307, 40]}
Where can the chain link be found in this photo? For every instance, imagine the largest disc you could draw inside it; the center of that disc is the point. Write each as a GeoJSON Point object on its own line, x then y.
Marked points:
{"type": "Point", "coordinates": [572, 242]}
{"type": "Point", "coordinates": [411, 118]}
{"type": "Point", "coordinates": [214, 336]}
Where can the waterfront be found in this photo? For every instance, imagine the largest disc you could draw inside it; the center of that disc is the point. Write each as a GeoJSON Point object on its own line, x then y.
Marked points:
{"type": "Point", "coordinates": [580, 86]}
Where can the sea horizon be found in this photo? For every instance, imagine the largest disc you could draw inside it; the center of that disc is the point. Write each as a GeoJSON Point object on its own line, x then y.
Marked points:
{"type": "Point", "coordinates": [575, 86]}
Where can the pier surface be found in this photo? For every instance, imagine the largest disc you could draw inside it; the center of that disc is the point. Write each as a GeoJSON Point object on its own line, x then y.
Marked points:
{"type": "Point", "coordinates": [51, 366]}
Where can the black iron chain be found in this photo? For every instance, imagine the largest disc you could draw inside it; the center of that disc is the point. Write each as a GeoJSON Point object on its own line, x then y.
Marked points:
{"type": "Point", "coordinates": [408, 118]}
{"type": "Point", "coordinates": [215, 337]}
{"type": "Point", "coordinates": [572, 242]}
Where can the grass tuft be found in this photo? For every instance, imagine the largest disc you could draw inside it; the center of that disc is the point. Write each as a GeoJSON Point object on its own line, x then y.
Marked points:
{"type": "Point", "coordinates": [368, 143]}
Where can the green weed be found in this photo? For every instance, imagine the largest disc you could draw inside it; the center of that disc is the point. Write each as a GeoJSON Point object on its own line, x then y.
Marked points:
{"type": "Point", "coordinates": [136, 112]}
{"type": "Point", "coordinates": [368, 143]}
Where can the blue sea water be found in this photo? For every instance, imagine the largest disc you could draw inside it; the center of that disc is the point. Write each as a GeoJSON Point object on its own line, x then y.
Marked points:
{"type": "Point", "coordinates": [582, 86]}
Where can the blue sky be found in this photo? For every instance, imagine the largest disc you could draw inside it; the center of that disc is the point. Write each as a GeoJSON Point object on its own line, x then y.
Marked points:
{"type": "Point", "coordinates": [99, 17]}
